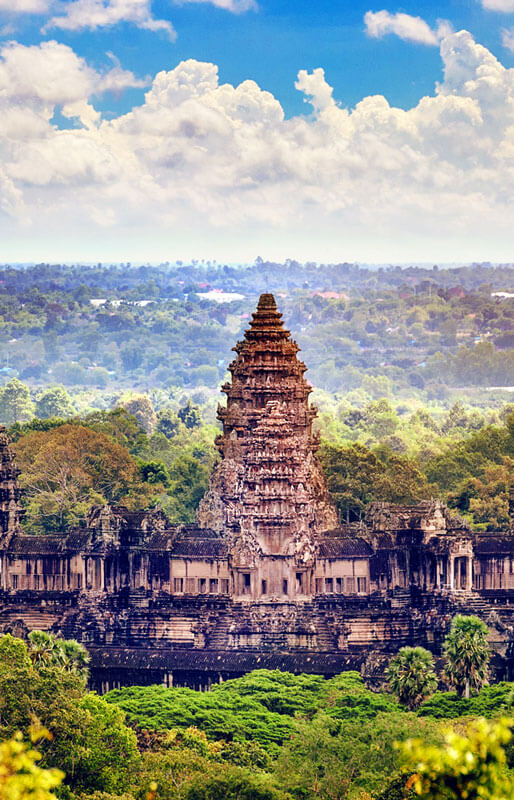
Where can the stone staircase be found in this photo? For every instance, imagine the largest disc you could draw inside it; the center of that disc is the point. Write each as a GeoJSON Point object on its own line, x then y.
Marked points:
{"type": "Point", "coordinates": [290, 637]}
{"type": "Point", "coordinates": [472, 603]}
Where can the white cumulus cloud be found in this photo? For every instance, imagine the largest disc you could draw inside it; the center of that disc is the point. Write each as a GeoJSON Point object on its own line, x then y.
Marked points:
{"type": "Point", "coordinates": [207, 163]}
{"type": "Point", "coordinates": [508, 38]}
{"type": "Point", "coordinates": [499, 5]}
{"type": "Point", "coordinates": [412, 29]}
{"type": "Point", "coordinates": [235, 6]}
{"type": "Point", "coordinates": [93, 14]}
{"type": "Point", "coordinates": [35, 80]}
{"type": "Point", "coordinates": [25, 6]}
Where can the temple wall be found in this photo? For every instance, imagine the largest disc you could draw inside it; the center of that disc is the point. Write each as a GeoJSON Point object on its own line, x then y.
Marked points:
{"type": "Point", "coordinates": [494, 572]}
{"type": "Point", "coordinates": [342, 576]}
{"type": "Point", "coordinates": [268, 577]}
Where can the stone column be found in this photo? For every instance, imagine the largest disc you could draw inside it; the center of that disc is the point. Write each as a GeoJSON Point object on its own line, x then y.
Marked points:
{"type": "Point", "coordinates": [469, 573]}
{"type": "Point", "coordinates": [451, 563]}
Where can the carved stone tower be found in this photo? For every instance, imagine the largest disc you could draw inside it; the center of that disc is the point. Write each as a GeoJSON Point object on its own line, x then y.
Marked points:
{"type": "Point", "coordinates": [268, 495]}
{"type": "Point", "coordinates": [10, 506]}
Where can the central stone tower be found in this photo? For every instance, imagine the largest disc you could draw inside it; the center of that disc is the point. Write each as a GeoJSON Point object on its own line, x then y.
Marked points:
{"type": "Point", "coordinates": [268, 495]}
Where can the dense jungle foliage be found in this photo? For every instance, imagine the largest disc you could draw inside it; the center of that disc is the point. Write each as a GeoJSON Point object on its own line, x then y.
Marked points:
{"type": "Point", "coordinates": [114, 371]}
{"type": "Point", "coordinates": [269, 735]}
{"type": "Point", "coordinates": [147, 457]}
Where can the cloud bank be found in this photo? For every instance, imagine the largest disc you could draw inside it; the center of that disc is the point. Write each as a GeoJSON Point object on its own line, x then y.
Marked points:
{"type": "Point", "coordinates": [219, 169]}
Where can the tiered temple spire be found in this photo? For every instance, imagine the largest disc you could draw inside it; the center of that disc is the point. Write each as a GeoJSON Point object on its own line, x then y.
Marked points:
{"type": "Point", "coordinates": [268, 490]}
{"type": "Point", "coordinates": [10, 505]}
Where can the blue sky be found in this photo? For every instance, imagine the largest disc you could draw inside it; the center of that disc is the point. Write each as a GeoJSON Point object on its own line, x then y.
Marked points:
{"type": "Point", "coordinates": [413, 176]}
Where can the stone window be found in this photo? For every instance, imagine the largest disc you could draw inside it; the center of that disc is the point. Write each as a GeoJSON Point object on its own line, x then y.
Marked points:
{"type": "Point", "coordinates": [213, 586]}
{"type": "Point", "coordinates": [178, 584]}
{"type": "Point", "coordinates": [299, 582]}
{"type": "Point", "coordinates": [224, 585]}
{"type": "Point", "coordinates": [361, 585]}
{"type": "Point", "coordinates": [350, 585]}
{"type": "Point", "coordinates": [319, 585]}
{"type": "Point", "coordinates": [284, 586]}
{"type": "Point", "coordinates": [203, 585]}
{"type": "Point", "coordinates": [329, 585]}
{"type": "Point", "coordinates": [28, 567]}
{"type": "Point", "coordinates": [339, 585]}
{"type": "Point", "coordinates": [190, 586]}
{"type": "Point", "coordinates": [247, 583]}
{"type": "Point", "coordinates": [264, 587]}
{"type": "Point", "coordinates": [14, 581]}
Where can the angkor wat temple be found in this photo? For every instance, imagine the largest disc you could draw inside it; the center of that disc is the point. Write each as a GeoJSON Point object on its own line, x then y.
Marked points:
{"type": "Point", "coordinates": [268, 576]}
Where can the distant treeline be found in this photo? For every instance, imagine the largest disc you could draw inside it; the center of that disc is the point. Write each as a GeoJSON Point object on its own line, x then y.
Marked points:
{"type": "Point", "coordinates": [414, 330]}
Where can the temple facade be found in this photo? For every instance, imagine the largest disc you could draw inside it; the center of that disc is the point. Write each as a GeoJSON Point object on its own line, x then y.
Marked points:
{"type": "Point", "coordinates": [268, 576]}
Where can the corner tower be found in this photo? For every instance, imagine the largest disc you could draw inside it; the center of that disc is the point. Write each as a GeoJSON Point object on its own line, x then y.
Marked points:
{"type": "Point", "coordinates": [268, 495]}
{"type": "Point", "coordinates": [10, 505]}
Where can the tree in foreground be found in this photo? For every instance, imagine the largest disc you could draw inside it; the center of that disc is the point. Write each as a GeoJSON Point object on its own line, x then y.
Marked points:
{"type": "Point", "coordinates": [89, 739]}
{"type": "Point", "coordinates": [467, 654]}
{"type": "Point", "coordinates": [471, 765]}
{"type": "Point", "coordinates": [20, 776]}
{"type": "Point", "coordinates": [411, 676]}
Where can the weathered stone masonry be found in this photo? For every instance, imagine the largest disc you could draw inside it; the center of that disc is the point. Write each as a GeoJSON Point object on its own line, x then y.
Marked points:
{"type": "Point", "coordinates": [267, 576]}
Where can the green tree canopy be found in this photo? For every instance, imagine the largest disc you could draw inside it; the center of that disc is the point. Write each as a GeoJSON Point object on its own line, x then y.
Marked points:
{"type": "Point", "coordinates": [190, 415]}
{"type": "Point", "coordinates": [54, 402]}
{"type": "Point", "coordinates": [188, 481]}
{"type": "Point", "coordinates": [467, 654]}
{"type": "Point", "coordinates": [67, 469]}
{"type": "Point", "coordinates": [15, 403]}
{"type": "Point", "coordinates": [89, 739]}
{"type": "Point", "coordinates": [49, 650]}
{"type": "Point", "coordinates": [356, 476]}
{"type": "Point", "coordinates": [168, 423]}
{"type": "Point", "coordinates": [411, 676]}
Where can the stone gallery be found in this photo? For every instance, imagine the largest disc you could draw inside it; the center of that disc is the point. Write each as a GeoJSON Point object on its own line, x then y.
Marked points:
{"type": "Point", "coordinates": [268, 576]}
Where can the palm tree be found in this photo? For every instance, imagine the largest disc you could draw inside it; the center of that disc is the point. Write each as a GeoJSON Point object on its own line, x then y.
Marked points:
{"type": "Point", "coordinates": [411, 676]}
{"type": "Point", "coordinates": [43, 648]}
{"type": "Point", "coordinates": [467, 654]}
{"type": "Point", "coordinates": [75, 657]}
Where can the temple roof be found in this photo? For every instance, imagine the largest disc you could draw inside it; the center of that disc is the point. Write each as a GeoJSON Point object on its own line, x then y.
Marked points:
{"type": "Point", "coordinates": [494, 544]}
{"type": "Point", "coordinates": [344, 547]}
{"type": "Point", "coordinates": [37, 545]}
